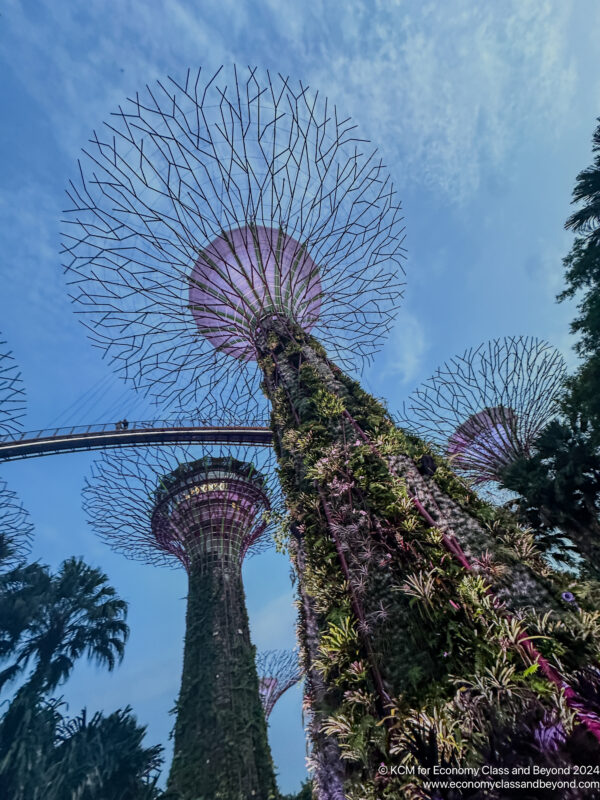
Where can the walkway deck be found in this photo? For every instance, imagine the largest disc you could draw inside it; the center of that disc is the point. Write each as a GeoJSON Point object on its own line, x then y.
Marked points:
{"type": "Point", "coordinates": [103, 437]}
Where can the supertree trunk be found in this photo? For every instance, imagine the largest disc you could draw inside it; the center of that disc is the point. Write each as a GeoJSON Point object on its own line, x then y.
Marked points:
{"type": "Point", "coordinates": [215, 226]}
{"type": "Point", "coordinates": [327, 765]}
{"type": "Point", "coordinates": [205, 514]}
{"type": "Point", "coordinates": [233, 762]}
{"type": "Point", "coordinates": [368, 523]}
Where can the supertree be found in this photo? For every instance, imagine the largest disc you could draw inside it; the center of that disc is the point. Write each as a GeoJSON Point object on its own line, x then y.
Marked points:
{"type": "Point", "coordinates": [219, 229]}
{"type": "Point", "coordinates": [16, 529]}
{"type": "Point", "coordinates": [12, 394]}
{"type": "Point", "coordinates": [206, 514]}
{"type": "Point", "coordinates": [486, 408]}
{"type": "Point", "coordinates": [278, 671]}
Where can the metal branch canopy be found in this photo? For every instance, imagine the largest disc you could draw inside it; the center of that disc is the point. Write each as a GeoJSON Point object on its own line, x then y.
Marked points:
{"type": "Point", "coordinates": [278, 671]}
{"type": "Point", "coordinates": [163, 505]}
{"type": "Point", "coordinates": [16, 528]}
{"type": "Point", "coordinates": [207, 205]}
{"type": "Point", "coordinates": [485, 408]}
{"type": "Point", "coordinates": [12, 394]}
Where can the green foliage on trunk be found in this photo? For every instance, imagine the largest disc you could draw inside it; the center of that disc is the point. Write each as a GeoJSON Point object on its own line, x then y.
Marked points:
{"type": "Point", "coordinates": [412, 646]}
{"type": "Point", "coordinates": [221, 747]}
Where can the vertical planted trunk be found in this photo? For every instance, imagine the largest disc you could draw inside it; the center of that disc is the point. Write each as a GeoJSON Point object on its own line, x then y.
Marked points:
{"type": "Point", "coordinates": [221, 750]}
{"type": "Point", "coordinates": [327, 764]}
{"type": "Point", "coordinates": [367, 522]}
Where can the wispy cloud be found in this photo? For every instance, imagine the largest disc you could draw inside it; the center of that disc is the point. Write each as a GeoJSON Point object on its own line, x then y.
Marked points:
{"type": "Point", "coordinates": [450, 86]}
{"type": "Point", "coordinates": [453, 85]}
{"type": "Point", "coordinates": [401, 358]}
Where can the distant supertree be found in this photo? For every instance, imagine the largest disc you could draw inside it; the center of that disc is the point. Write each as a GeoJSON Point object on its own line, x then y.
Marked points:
{"type": "Point", "coordinates": [221, 230]}
{"type": "Point", "coordinates": [207, 514]}
{"type": "Point", "coordinates": [16, 529]}
{"type": "Point", "coordinates": [486, 408]}
{"type": "Point", "coordinates": [278, 671]}
{"type": "Point", "coordinates": [12, 394]}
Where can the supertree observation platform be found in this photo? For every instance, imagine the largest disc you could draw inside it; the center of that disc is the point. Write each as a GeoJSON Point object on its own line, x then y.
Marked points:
{"type": "Point", "coordinates": [206, 514]}
{"type": "Point", "coordinates": [224, 231]}
{"type": "Point", "coordinates": [486, 408]}
{"type": "Point", "coordinates": [278, 671]}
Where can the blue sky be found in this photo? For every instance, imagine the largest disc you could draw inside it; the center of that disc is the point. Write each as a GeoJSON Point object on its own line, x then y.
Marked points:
{"type": "Point", "coordinates": [484, 114]}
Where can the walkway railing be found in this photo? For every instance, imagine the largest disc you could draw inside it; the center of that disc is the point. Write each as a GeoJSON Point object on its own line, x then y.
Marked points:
{"type": "Point", "coordinates": [110, 435]}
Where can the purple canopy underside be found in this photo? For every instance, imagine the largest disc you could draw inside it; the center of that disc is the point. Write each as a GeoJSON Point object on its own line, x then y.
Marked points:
{"type": "Point", "coordinates": [245, 275]}
{"type": "Point", "coordinates": [486, 440]}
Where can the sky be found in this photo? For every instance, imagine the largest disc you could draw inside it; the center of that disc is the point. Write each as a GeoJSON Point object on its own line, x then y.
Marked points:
{"type": "Point", "coordinates": [483, 113]}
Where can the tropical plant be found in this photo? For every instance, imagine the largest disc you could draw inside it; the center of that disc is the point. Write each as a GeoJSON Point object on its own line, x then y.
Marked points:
{"type": "Point", "coordinates": [61, 618]}
{"type": "Point", "coordinates": [583, 276]}
{"type": "Point", "coordinates": [559, 483]}
{"type": "Point", "coordinates": [44, 756]}
{"type": "Point", "coordinates": [27, 732]}
{"type": "Point", "coordinates": [101, 758]}
{"type": "Point", "coordinates": [47, 622]}
{"type": "Point", "coordinates": [305, 793]}
{"type": "Point", "coordinates": [559, 488]}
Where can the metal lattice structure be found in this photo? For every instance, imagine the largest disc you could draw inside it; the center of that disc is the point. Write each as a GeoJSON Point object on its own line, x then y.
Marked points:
{"type": "Point", "coordinates": [218, 230]}
{"type": "Point", "coordinates": [207, 205]}
{"type": "Point", "coordinates": [205, 511]}
{"type": "Point", "coordinates": [167, 506]}
{"type": "Point", "coordinates": [12, 394]}
{"type": "Point", "coordinates": [16, 529]}
{"type": "Point", "coordinates": [278, 671]}
{"type": "Point", "coordinates": [487, 407]}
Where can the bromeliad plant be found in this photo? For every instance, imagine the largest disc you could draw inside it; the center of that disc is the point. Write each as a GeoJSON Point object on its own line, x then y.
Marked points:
{"type": "Point", "coordinates": [422, 607]}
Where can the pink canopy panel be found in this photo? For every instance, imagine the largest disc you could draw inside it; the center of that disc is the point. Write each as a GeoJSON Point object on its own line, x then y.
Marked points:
{"type": "Point", "coordinates": [245, 275]}
{"type": "Point", "coordinates": [485, 442]}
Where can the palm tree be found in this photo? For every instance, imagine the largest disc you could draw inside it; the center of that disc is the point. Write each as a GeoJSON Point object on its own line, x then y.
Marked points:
{"type": "Point", "coordinates": [47, 622]}
{"type": "Point", "coordinates": [27, 734]}
{"type": "Point", "coordinates": [102, 757]}
{"type": "Point", "coordinates": [65, 616]}
{"type": "Point", "coordinates": [22, 590]}
{"type": "Point", "coordinates": [44, 756]}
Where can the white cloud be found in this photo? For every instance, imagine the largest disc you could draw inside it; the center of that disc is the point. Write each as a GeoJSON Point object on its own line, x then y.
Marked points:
{"type": "Point", "coordinates": [442, 88]}
{"type": "Point", "coordinates": [454, 85]}
{"type": "Point", "coordinates": [402, 355]}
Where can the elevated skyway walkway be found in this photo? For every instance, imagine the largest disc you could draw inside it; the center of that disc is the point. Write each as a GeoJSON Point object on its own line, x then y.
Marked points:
{"type": "Point", "coordinates": [114, 435]}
